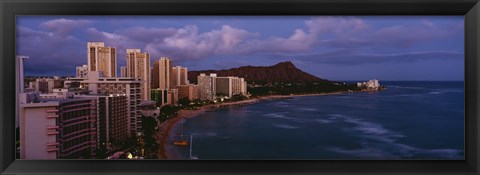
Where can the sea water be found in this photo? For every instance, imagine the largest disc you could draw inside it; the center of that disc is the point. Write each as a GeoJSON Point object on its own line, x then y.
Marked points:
{"type": "Point", "coordinates": [408, 120]}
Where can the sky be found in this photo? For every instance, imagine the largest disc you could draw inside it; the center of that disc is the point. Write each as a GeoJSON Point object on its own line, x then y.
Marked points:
{"type": "Point", "coordinates": [330, 47]}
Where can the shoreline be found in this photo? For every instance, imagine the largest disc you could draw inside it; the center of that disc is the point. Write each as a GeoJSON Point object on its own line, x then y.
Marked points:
{"type": "Point", "coordinates": [167, 151]}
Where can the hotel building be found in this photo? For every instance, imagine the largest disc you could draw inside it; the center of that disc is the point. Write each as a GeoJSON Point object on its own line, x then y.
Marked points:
{"type": "Point", "coordinates": [102, 59]}
{"type": "Point", "coordinates": [162, 69]}
{"type": "Point", "coordinates": [81, 71]}
{"type": "Point", "coordinates": [190, 92]}
{"type": "Point", "coordinates": [138, 66]}
{"type": "Point", "coordinates": [61, 129]}
{"type": "Point", "coordinates": [98, 85]}
{"type": "Point", "coordinates": [46, 85]}
{"type": "Point", "coordinates": [161, 97]}
{"type": "Point", "coordinates": [112, 120]}
{"type": "Point", "coordinates": [179, 76]}
{"type": "Point", "coordinates": [207, 86]}
{"type": "Point", "coordinates": [230, 86]}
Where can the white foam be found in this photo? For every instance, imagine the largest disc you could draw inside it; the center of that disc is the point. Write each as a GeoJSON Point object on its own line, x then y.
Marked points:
{"type": "Point", "coordinates": [285, 126]}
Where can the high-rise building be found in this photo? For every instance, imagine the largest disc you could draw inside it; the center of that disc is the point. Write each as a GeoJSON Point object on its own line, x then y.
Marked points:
{"type": "Point", "coordinates": [60, 129]}
{"type": "Point", "coordinates": [19, 77]}
{"type": "Point", "coordinates": [102, 59]}
{"type": "Point", "coordinates": [190, 91]}
{"type": "Point", "coordinates": [179, 76]}
{"type": "Point", "coordinates": [98, 85]}
{"type": "Point", "coordinates": [162, 69]}
{"type": "Point", "coordinates": [81, 71]}
{"type": "Point", "coordinates": [112, 116]}
{"type": "Point", "coordinates": [123, 71]}
{"type": "Point", "coordinates": [161, 97]}
{"type": "Point", "coordinates": [138, 66]}
{"type": "Point", "coordinates": [207, 86]}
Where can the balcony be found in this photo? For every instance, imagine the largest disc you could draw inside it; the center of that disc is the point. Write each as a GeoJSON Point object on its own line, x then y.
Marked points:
{"type": "Point", "coordinates": [52, 133]}
{"type": "Point", "coordinates": [52, 144]}
{"type": "Point", "coordinates": [52, 110]}
{"type": "Point", "coordinates": [52, 127]}
{"type": "Point", "coordinates": [52, 116]}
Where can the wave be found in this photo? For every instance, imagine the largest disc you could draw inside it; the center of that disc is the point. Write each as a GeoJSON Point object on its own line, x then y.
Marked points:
{"type": "Point", "coordinates": [307, 109]}
{"type": "Point", "coordinates": [284, 126]}
{"type": "Point", "coordinates": [323, 121]}
{"type": "Point", "coordinates": [405, 87]}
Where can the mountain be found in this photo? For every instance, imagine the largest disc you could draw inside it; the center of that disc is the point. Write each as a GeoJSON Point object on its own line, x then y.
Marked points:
{"type": "Point", "coordinates": [281, 72]}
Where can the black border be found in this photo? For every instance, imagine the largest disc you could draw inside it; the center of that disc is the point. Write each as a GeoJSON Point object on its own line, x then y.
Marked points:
{"type": "Point", "coordinates": [10, 8]}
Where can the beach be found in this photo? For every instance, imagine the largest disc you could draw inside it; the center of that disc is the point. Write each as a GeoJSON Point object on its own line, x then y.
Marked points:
{"type": "Point", "coordinates": [164, 134]}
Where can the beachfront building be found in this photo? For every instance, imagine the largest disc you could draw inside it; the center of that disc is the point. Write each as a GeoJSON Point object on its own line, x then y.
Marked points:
{"type": "Point", "coordinates": [190, 91]}
{"type": "Point", "coordinates": [229, 86]}
{"type": "Point", "coordinates": [112, 114]}
{"type": "Point", "coordinates": [161, 97]}
{"type": "Point", "coordinates": [58, 129]}
{"type": "Point", "coordinates": [123, 71]}
{"type": "Point", "coordinates": [369, 85]}
{"type": "Point", "coordinates": [173, 97]}
{"type": "Point", "coordinates": [98, 85]}
{"type": "Point", "coordinates": [102, 59]}
{"type": "Point", "coordinates": [81, 71]}
{"type": "Point", "coordinates": [179, 76]}
{"type": "Point", "coordinates": [207, 86]}
{"type": "Point", "coordinates": [162, 72]}
{"type": "Point", "coordinates": [138, 66]}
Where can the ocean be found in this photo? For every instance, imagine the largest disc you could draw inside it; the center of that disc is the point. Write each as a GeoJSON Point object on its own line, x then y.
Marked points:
{"type": "Point", "coordinates": [408, 120]}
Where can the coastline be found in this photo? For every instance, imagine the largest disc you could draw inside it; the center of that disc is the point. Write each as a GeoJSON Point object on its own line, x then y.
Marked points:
{"type": "Point", "coordinates": [164, 134]}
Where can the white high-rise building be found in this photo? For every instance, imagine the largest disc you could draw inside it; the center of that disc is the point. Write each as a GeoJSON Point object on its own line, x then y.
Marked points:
{"type": "Point", "coordinates": [138, 66]}
{"type": "Point", "coordinates": [179, 76]}
{"type": "Point", "coordinates": [207, 86]}
{"type": "Point", "coordinates": [20, 82]}
{"type": "Point", "coordinates": [102, 59]}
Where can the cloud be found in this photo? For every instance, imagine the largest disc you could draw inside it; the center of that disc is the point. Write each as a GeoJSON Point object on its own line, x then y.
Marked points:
{"type": "Point", "coordinates": [64, 27]}
{"type": "Point", "coordinates": [352, 57]}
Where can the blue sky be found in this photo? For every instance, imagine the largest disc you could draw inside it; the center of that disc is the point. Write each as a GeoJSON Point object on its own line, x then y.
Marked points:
{"type": "Point", "coordinates": [330, 47]}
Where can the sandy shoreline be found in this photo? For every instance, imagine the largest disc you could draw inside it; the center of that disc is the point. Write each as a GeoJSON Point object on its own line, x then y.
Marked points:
{"type": "Point", "coordinates": [167, 150]}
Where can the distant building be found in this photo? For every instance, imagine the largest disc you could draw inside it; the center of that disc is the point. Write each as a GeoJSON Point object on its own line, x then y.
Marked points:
{"type": "Point", "coordinates": [229, 86]}
{"type": "Point", "coordinates": [138, 66]}
{"type": "Point", "coordinates": [46, 85]}
{"type": "Point", "coordinates": [102, 59]}
{"type": "Point", "coordinates": [160, 97]}
{"type": "Point", "coordinates": [162, 69]}
{"type": "Point", "coordinates": [123, 71]}
{"type": "Point", "coordinates": [63, 129]}
{"type": "Point", "coordinates": [369, 85]}
{"type": "Point", "coordinates": [98, 85]}
{"type": "Point", "coordinates": [190, 92]}
{"type": "Point", "coordinates": [207, 86]}
{"type": "Point", "coordinates": [179, 76]}
{"type": "Point", "coordinates": [81, 71]}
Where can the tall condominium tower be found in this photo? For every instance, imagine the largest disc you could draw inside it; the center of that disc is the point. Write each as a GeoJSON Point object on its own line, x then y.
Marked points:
{"type": "Point", "coordinates": [138, 66]}
{"type": "Point", "coordinates": [162, 69]}
{"type": "Point", "coordinates": [207, 86]}
{"type": "Point", "coordinates": [179, 76]}
{"type": "Point", "coordinates": [102, 59]}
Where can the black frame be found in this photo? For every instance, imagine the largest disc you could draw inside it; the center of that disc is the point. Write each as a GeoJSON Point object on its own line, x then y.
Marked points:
{"type": "Point", "coordinates": [469, 8]}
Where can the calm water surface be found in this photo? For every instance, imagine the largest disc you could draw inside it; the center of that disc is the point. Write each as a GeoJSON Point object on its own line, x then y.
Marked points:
{"type": "Point", "coordinates": [410, 120]}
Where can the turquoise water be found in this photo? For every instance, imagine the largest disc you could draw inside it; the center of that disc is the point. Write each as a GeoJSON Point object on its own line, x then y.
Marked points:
{"type": "Point", "coordinates": [409, 120]}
